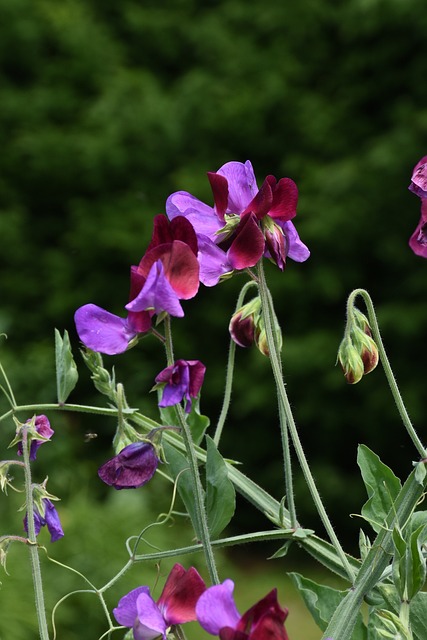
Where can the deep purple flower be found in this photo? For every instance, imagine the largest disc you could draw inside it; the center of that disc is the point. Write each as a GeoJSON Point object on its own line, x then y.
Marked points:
{"type": "Point", "coordinates": [217, 614]}
{"type": "Point", "coordinates": [166, 274]}
{"type": "Point", "coordinates": [182, 380]}
{"type": "Point", "coordinates": [42, 426]}
{"type": "Point", "coordinates": [49, 518]}
{"type": "Point", "coordinates": [176, 605]}
{"type": "Point", "coordinates": [418, 240]}
{"type": "Point", "coordinates": [133, 467]}
{"type": "Point", "coordinates": [244, 224]}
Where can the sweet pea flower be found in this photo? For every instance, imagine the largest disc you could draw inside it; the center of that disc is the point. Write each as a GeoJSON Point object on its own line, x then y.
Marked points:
{"type": "Point", "coordinates": [181, 380]}
{"type": "Point", "coordinates": [132, 467]}
{"type": "Point", "coordinates": [167, 273]}
{"type": "Point", "coordinates": [46, 515]}
{"type": "Point", "coordinates": [43, 428]}
{"type": "Point", "coordinates": [244, 224]}
{"type": "Point", "coordinates": [177, 604]}
{"type": "Point", "coordinates": [418, 240]}
{"type": "Point", "coordinates": [217, 614]}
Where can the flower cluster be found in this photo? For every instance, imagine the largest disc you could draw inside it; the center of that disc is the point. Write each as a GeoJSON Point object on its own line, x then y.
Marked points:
{"type": "Point", "coordinates": [185, 598]}
{"type": "Point", "coordinates": [418, 240]}
{"type": "Point", "coordinates": [358, 352]}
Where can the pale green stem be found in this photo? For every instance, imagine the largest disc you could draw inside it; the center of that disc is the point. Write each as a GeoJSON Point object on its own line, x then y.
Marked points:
{"type": "Point", "coordinates": [194, 470]}
{"type": "Point", "coordinates": [386, 366]}
{"type": "Point", "coordinates": [287, 420]}
{"type": "Point", "coordinates": [230, 371]}
{"type": "Point", "coordinates": [32, 539]}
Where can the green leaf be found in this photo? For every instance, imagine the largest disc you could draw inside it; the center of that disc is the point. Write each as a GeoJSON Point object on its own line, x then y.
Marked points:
{"type": "Point", "coordinates": [381, 484]}
{"type": "Point", "coordinates": [220, 493]}
{"type": "Point", "coordinates": [179, 468]}
{"type": "Point", "coordinates": [322, 601]}
{"type": "Point", "coordinates": [66, 369]}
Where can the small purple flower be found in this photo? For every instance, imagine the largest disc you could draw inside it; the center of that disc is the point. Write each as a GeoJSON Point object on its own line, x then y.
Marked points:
{"type": "Point", "coordinates": [176, 605]}
{"type": "Point", "coordinates": [217, 614]}
{"type": "Point", "coordinates": [418, 240]}
{"type": "Point", "coordinates": [244, 224]}
{"type": "Point", "coordinates": [49, 518]}
{"type": "Point", "coordinates": [183, 379]}
{"type": "Point", "coordinates": [42, 426]}
{"type": "Point", "coordinates": [133, 467]}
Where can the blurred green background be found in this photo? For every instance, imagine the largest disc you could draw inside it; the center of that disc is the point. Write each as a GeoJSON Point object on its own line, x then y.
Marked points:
{"type": "Point", "coordinates": [108, 107]}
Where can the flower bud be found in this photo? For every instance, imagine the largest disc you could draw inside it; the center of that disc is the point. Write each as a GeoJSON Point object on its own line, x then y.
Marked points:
{"type": "Point", "coordinates": [243, 323]}
{"type": "Point", "coordinates": [350, 361]}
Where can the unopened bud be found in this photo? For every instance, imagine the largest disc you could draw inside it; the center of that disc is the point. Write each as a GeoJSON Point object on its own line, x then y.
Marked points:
{"type": "Point", "coordinates": [350, 361]}
{"type": "Point", "coordinates": [243, 323]}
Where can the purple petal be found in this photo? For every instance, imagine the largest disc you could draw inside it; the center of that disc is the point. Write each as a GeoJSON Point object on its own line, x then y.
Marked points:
{"type": "Point", "coordinates": [177, 387]}
{"type": "Point", "coordinates": [202, 217]}
{"type": "Point", "coordinates": [216, 609]}
{"type": "Point", "coordinates": [103, 331]}
{"type": "Point", "coordinates": [133, 467]}
{"type": "Point", "coordinates": [39, 522]}
{"type": "Point", "coordinates": [126, 611]}
{"type": "Point", "coordinates": [242, 186]}
{"type": "Point", "coordinates": [213, 262]}
{"type": "Point", "coordinates": [150, 622]}
{"type": "Point", "coordinates": [419, 178]}
{"type": "Point", "coordinates": [297, 250]}
{"type": "Point", "coordinates": [52, 521]}
{"type": "Point", "coordinates": [157, 294]}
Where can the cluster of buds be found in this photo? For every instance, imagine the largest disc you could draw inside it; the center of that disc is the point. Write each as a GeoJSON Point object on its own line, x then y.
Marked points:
{"type": "Point", "coordinates": [358, 352]}
{"type": "Point", "coordinates": [247, 327]}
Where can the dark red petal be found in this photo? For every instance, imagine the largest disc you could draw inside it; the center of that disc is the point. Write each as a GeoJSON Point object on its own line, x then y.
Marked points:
{"type": "Point", "coordinates": [161, 232]}
{"type": "Point", "coordinates": [139, 321]}
{"type": "Point", "coordinates": [267, 606]}
{"type": "Point", "coordinates": [261, 203]}
{"type": "Point", "coordinates": [248, 245]}
{"type": "Point", "coordinates": [180, 594]}
{"type": "Point", "coordinates": [269, 628]}
{"type": "Point", "coordinates": [219, 186]}
{"type": "Point", "coordinates": [182, 229]}
{"type": "Point", "coordinates": [285, 199]}
{"type": "Point", "coordinates": [182, 270]}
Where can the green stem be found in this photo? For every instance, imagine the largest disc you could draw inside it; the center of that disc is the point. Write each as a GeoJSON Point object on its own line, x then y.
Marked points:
{"type": "Point", "coordinates": [203, 528]}
{"type": "Point", "coordinates": [386, 366]}
{"type": "Point", "coordinates": [79, 408]}
{"type": "Point", "coordinates": [287, 420]}
{"type": "Point", "coordinates": [230, 371]}
{"type": "Point", "coordinates": [32, 539]}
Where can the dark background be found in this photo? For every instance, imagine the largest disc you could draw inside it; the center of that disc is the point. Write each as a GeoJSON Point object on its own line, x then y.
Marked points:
{"type": "Point", "coordinates": [107, 107]}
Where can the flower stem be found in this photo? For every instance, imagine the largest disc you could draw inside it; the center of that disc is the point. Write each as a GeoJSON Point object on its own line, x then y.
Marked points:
{"type": "Point", "coordinates": [230, 371]}
{"type": "Point", "coordinates": [202, 523]}
{"type": "Point", "coordinates": [386, 366]}
{"type": "Point", "coordinates": [32, 539]}
{"type": "Point", "coordinates": [287, 421]}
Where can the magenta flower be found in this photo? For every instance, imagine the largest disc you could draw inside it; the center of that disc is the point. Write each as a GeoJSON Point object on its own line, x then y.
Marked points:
{"type": "Point", "coordinates": [244, 224]}
{"type": "Point", "coordinates": [418, 240]}
{"type": "Point", "coordinates": [176, 605]}
{"type": "Point", "coordinates": [166, 274]}
{"type": "Point", "coordinates": [133, 467]}
{"type": "Point", "coordinates": [42, 426]}
{"type": "Point", "coordinates": [218, 615]}
{"type": "Point", "coordinates": [182, 380]}
{"type": "Point", "coordinates": [48, 517]}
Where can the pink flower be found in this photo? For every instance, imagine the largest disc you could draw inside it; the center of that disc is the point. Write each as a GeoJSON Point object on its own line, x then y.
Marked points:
{"type": "Point", "coordinates": [218, 615]}
{"type": "Point", "coordinates": [176, 605]}
{"type": "Point", "coordinates": [166, 274]}
{"type": "Point", "coordinates": [418, 240]}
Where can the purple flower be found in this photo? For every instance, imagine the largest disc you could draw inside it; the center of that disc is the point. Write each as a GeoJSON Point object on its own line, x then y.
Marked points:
{"type": "Point", "coordinates": [133, 467]}
{"type": "Point", "coordinates": [176, 605]}
{"type": "Point", "coordinates": [218, 615]}
{"type": "Point", "coordinates": [418, 240]}
{"type": "Point", "coordinates": [183, 379]}
{"type": "Point", "coordinates": [42, 426]}
{"type": "Point", "coordinates": [167, 273]}
{"type": "Point", "coordinates": [244, 224]}
{"type": "Point", "coordinates": [47, 517]}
